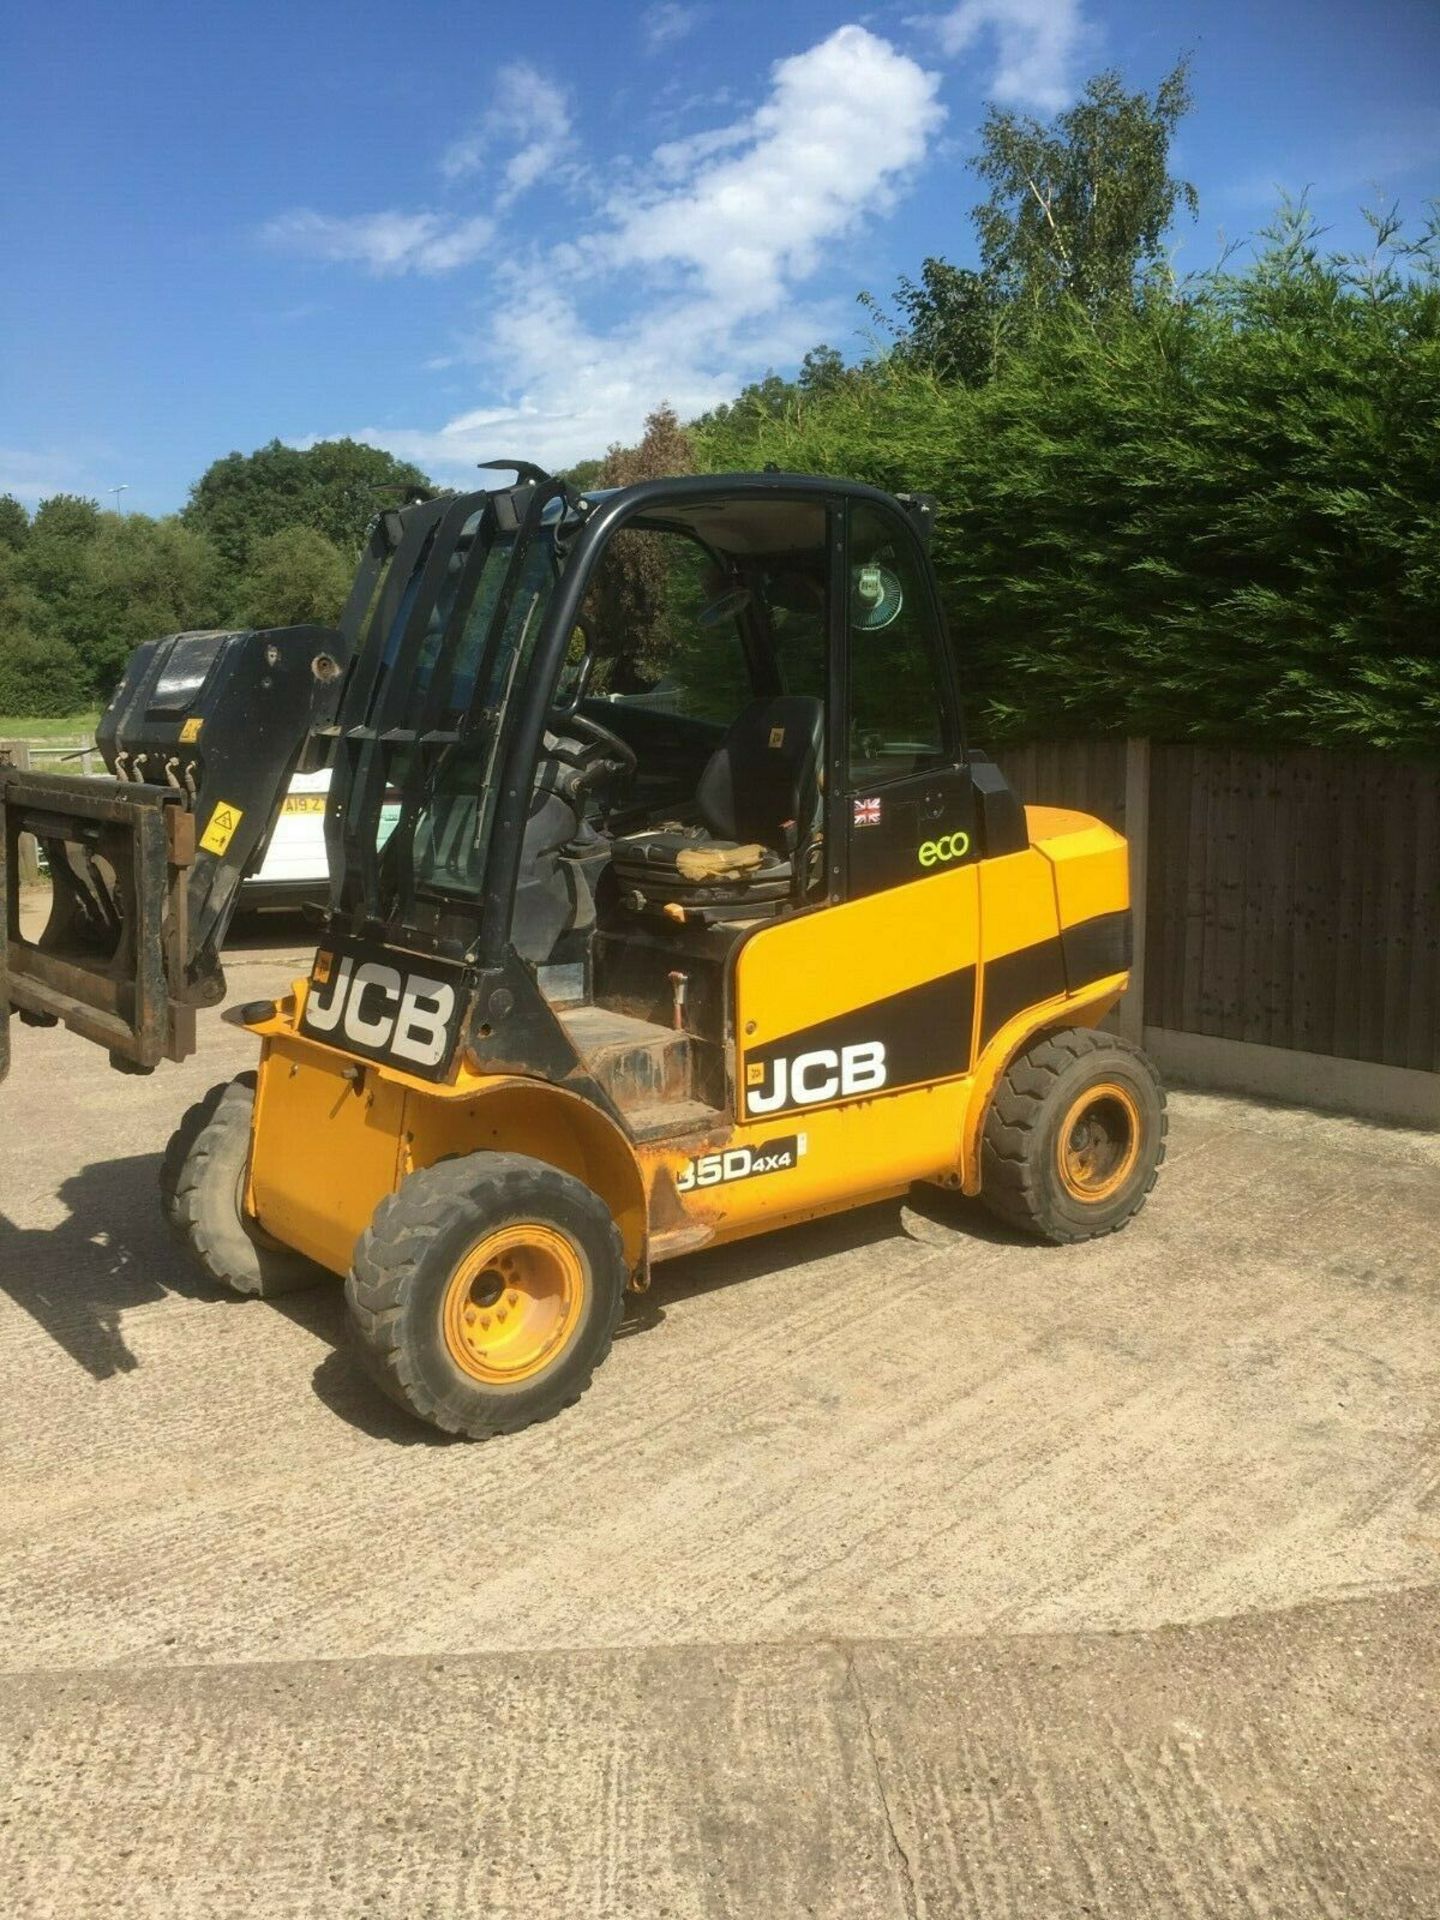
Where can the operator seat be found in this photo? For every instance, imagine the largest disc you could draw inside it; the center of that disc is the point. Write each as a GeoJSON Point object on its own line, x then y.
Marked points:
{"type": "Point", "coordinates": [760, 787]}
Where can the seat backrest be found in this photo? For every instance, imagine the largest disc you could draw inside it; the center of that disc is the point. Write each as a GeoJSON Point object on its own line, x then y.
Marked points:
{"type": "Point", "coordinates": [766, 772]}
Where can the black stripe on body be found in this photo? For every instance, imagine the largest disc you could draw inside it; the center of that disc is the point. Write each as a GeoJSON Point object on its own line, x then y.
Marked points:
{"type": "Point", "coordinates": [1015, 981]}
{"type": "Point", "coordinates": [925, 1030]}
{"type": "Point", "coordinates": [1088, 951]}
{"type": "Point", "coordinates": [1095, 948]}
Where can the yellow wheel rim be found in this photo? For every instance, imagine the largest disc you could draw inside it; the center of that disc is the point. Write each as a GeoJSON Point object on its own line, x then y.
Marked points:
{"type": "Point", "coordinates": [513, 1302]}
{"type": "Point", "coordinates": [1099, 1142]}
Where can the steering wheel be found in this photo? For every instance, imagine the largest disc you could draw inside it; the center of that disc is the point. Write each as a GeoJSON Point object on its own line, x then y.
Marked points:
{"type": "Point", "coordinates": [611, 747]}
{"type": "Point", "coordinates": [601, 736]}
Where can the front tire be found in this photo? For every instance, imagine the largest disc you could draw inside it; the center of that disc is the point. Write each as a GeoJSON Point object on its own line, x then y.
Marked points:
{"type": "Point", "coordinates": [202, 1191]}
{"type": "Point", "coordinates": [485, 1293]}
{"type": "Point", "coordinates": [1075, 1136]}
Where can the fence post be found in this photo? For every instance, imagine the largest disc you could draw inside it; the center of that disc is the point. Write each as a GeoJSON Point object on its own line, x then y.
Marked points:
{"type": "Point", "coordinates": [16, 753]}
{"type": "Point", "coordinates": [1137, 833]}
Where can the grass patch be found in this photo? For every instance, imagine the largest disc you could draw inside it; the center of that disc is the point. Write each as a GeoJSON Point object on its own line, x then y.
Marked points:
{"type": "Point", "coordinates": [75, 730]}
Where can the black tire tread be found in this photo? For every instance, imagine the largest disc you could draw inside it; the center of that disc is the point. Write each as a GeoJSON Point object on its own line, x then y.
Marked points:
{"type": "Point", "coordinates": [389, 1251]}
{"type": "Point", "coordinates": [206, 1130]}
{"type": "Point", "coordinates": [193, 1123]}
{"type": "Point", "coordinates": [1009, 1159]}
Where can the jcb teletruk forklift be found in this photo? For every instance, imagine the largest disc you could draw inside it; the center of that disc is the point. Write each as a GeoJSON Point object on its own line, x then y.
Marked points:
{"type": "Point", "coordinates": [633, 946]}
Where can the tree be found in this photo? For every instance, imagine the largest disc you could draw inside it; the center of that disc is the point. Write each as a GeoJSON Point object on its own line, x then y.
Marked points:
{"type": "Point", "coordinates": [665, 448]}
{"type": "Point", "coordinates": [26, 669]}
{"type": "Point", "coordinates": [140, 578]}
{"type": "Point", "coordinates": [1079, 209]}
{"type": "Point", "coordinates": [14, 522]}
{"type": "Point", "coordinates": [629, 603]}
{"type": "Point", "coordinates": [952, 321]}
{"type": "Point", "coordinates": [822, 370]}
{"type": "Point", "coordinates": [40, 677]}
{"type": "Point", "coordinates": [584, 473]}
{"type": "Point", "coordinates": [294, 577]}
{"type": "Point", "coordinates": [66, 516]}
{"type": "Point", "coordinates": [53, 554]}
{"type": "Point", "coordinates": [1215, 516]}
{"type": "Point", "coordinates": [335, 488]}
{"type": "Point", "coordinates": [51, 564]}
{"type": "Point", "coordinates": [763, 399]}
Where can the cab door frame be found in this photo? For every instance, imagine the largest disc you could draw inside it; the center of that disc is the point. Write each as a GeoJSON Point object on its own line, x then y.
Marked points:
{"type": "Point", "coordinates": [933, 803]}
{"type": "Point", "coordinates": [842, 1006]}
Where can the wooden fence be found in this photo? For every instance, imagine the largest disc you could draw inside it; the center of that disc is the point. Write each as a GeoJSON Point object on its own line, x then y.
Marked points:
{"type": "Point", "coordinates": [1287, 912]}
{"type": "Point", "coordinates": [1087, 774]}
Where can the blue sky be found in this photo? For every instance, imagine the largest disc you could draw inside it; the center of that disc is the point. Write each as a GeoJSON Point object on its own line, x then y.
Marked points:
{"type": "Point", "coordinates": [467, 232]}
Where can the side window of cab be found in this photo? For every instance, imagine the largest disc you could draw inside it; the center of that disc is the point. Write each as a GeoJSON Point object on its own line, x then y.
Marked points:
{"type": "Point", "coordinates": [668, 612]}
{"type": "Point", "coordinates": [900, 721]}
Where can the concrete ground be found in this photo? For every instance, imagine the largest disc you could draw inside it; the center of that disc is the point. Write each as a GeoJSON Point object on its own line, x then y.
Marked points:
{"type": "Point", "coordinates": [891, 1566]}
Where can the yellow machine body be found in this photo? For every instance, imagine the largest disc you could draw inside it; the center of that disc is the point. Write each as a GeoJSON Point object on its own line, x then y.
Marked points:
{"type": "Point", "coordinates": [1005, 940]}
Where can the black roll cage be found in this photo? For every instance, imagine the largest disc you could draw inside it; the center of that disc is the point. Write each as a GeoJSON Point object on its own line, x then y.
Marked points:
{"type": "Point", "coordinates": [610, 514]}
{"type": "Point", "coordinates": [375, 715]}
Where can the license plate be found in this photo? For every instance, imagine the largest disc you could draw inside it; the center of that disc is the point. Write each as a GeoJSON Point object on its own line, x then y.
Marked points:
{"type": "Point", "coordinates": [303, 803]}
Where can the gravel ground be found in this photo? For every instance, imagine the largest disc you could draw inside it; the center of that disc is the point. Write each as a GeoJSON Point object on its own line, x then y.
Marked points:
{"type": "Point", "coordinates": [891, 1565]}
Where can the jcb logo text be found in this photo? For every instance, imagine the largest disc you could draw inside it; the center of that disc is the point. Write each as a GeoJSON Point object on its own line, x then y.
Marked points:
{"type": "Point", "coordinates": [379, 1010]}
{"type": "Point", "coordinates": [826, 1073]}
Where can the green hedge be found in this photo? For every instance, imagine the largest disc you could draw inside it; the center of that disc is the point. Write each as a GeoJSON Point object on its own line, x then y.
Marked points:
{"type": "Point", "coordinates": [40, 677]}
{"type": "Point", "coordinates": [1215, 517]}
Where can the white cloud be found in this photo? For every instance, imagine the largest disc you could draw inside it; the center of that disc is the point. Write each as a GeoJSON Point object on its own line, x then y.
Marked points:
{"type": "Point", "coordinates": [386, 243]}
{"type": "Point", "coordinates": [843, 122]}
{"type": "Point", "coordinates": [680, 156]}
{"type": "Point", "coordinates": [578, 389]}
{"type": "Point", "coordinates": [455, 244]}
{"type": "Point", "coordinates": [33, 476]}
{"type": "Point", "coordinates": [525, 130]}
{"type": "Point", "coordinates": [530, 116]}
{"type": "Point", "coordinates": [1036, 44]}
{"type": "Point", "coordinates": [668, 22]}
{"type": "Point", "coordinates": [701, 271]}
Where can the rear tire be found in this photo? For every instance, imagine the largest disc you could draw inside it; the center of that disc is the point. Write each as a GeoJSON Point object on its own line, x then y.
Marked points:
{"type": "Point", "coordinates": [1075, 1136]}
{"type": "Point", "coordinates": [202, 1189]}
{"type": "Point", "coordinates": [485, 1293]}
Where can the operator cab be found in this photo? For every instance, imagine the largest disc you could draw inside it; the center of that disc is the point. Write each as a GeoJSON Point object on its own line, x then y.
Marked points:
{"type": "Point", "coordinates": [716, 685]}
{"type": "Point", "coordinates": [626, 731]}
{"type": "Point", "coordinates": [727, 642]}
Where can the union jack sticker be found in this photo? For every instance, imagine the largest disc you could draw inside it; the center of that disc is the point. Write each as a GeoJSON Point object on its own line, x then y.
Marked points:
{"type": "Point", "coordinates": [867, 813]}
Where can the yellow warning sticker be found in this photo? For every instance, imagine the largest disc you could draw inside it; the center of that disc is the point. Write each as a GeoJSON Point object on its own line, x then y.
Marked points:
{"type": "Point", "coordinates": [190, 732]}
{"type": "Point", "coordinates": [320, 972]}
{"type": "Point", "coordinates": [221, 830]}
{"type": "Point", "coordinates": [754, 1073]}
{"type": "Point", "coordinates": [777, 736]}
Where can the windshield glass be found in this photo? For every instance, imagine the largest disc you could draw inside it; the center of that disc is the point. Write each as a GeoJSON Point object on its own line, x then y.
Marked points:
{"type": "Point", "coordinates": [454, 796]}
